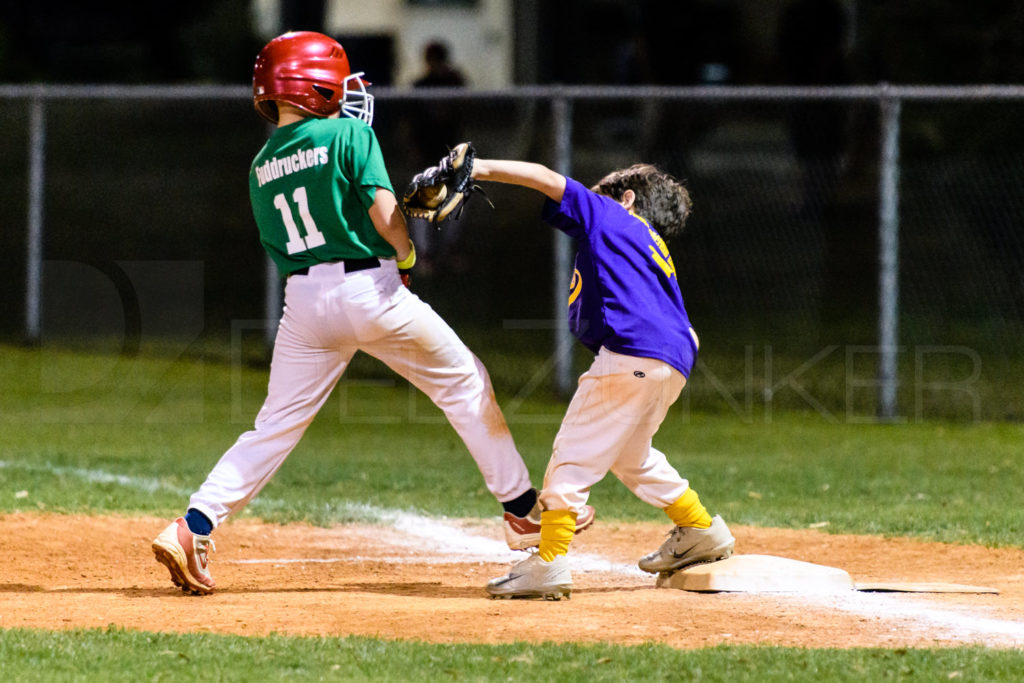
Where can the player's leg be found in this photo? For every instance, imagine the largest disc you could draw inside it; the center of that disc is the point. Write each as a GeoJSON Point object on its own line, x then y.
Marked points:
{"type": "Point", "coordinates": [421, 347]}
{"type": "Point", "coordinates": [245, 468]}
{"type": "Point", "coordinates": [398, 328]}
{"type": "Point", "coordinates": [696, 536]}
{"type": "Point", "coordinates": [614, 402]}
{"type": "Point", "coordinates": [302, 374]}
{"type": "Point", "coordinates": [301, 379]}
{"type": "Point", "coordinates": [643, 469]}
{"type": "Point", "coordinates": [595, 426]}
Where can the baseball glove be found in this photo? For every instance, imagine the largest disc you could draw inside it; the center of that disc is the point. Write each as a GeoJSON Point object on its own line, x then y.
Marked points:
{"type": "Point", "coordinates": [440, 192]}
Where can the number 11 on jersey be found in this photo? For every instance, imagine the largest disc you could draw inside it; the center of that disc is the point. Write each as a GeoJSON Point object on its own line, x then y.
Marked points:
{"type": "Point", "coordinates": [296, 243]}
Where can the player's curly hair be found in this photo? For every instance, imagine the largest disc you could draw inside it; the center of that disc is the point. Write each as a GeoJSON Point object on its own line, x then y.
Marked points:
{"type": "Point", "coordinates": [660, 199]}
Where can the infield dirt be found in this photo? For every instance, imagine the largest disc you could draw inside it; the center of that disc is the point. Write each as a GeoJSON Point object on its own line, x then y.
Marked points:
{"type": "Point", "coordinates": [89, 571]}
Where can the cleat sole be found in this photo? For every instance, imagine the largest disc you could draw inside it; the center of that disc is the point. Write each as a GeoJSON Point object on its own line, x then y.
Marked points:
{"type": "Point", "coordinates": [172, 560]}
{"type": "Point", "coordinates": [672, 570]}
{"type": "Point", "coordinates": [553, 596]}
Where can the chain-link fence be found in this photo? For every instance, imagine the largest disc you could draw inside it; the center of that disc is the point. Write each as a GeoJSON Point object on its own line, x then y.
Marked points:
{"type": "Point", "coordinates": [852, 252]}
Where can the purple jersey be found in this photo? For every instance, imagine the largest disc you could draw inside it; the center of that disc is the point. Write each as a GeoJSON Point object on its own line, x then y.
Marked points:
{"type": "Point", "coordinates": [624, 293]}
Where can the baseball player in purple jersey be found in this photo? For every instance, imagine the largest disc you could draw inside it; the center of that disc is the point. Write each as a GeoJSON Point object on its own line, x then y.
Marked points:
{"type": "Point", "coordinates": [625, 306]}
{"type": "Point", "coordinates": [328, 217]}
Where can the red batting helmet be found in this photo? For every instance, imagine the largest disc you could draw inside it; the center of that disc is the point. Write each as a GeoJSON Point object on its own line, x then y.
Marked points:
{"type": "Point", "coordinates": [311, 71]}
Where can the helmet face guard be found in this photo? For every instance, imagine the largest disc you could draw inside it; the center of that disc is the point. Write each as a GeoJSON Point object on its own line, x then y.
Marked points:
{"type": "Point", "coordinates": [310, 71]}
{"type": "Point", "coordinates": [355, 101]}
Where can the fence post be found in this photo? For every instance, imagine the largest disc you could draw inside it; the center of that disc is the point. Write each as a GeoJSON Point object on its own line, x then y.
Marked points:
{"type": "Point", "coordinates": [888, 256]}
{"type": "Point", "coordinates": [34, 238]}
{"type": "Point", "coordinates": [561, 110]}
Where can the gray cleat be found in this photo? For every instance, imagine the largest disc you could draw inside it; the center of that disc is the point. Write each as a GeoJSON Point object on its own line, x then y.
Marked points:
{"type": "Point", "coordinates": [689, 545]}
{"type": "Point", "coordinates": [534, 578]}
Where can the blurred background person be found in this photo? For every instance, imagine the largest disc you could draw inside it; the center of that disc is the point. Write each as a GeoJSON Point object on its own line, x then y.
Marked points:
{"type": "Point", "coordinates": [434, 129]}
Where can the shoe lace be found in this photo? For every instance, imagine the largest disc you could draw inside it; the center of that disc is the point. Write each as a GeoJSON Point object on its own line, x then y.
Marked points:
{"type": "Point", "coordinates": [204, 546]}
{"type": "Point", "coordinates": [671, 537]}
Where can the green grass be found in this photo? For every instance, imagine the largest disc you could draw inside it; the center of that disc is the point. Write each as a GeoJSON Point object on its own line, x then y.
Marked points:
{"type": "Point", "coordinates": [119, 655]}
{"type": "Point", "coordinates": [88, 432]}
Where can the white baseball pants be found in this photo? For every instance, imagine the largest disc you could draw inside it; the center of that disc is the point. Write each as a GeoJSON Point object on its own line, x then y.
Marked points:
{"type": "Point", "coordinates": [619, 405]}
{"type": "Point", "coordinates": [329, 315]}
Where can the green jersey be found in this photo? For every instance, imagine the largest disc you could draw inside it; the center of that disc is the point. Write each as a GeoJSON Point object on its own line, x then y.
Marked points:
{"type": "Point", "coordinates": [311, 188]}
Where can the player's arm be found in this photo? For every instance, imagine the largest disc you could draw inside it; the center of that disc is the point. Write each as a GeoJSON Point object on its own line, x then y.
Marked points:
{"type": "Point", "coordinates": [526, 173]}
{"type": "Point", "coordinates": [388, 220]}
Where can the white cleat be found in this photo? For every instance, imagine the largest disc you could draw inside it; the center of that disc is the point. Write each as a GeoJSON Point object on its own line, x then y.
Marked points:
{"type": "Point", "coordinates": [534, 578]}
{"type": "Point", "coordinates": [689, 545]}
{"type": "Point", "coordinates": [186, 556]}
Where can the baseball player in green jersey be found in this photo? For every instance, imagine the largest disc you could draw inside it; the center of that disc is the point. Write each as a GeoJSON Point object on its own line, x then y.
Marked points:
{"type": "Point", "coordinates": [328, 217]}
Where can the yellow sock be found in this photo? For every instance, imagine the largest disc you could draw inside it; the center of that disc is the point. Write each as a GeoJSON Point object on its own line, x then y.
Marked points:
{"type": "Point", "coordinates": [556, 530]}
{"type": "Point", "coordinates": [687, 511]}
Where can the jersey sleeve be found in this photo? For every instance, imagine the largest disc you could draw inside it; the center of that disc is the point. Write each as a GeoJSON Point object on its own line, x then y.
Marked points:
{"type": "Point", "coordinates": [579, 211]}
{"type": "Point", "coordinates": [362, 163]}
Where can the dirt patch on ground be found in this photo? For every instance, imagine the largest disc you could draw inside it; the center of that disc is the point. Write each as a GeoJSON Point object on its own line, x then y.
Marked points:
{"type": "Point", "coordinates": [400, 581]}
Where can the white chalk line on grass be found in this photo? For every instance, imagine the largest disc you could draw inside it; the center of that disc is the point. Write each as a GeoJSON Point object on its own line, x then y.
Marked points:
{"type": "Point", "coordinates": [454, 545]}
{"type": "Point", "coordinates": [346, 509]}
{"type": "Point", "coordinates": [95, 476]}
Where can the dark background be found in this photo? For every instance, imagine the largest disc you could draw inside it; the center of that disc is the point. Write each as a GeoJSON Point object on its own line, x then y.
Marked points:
{"type": "Point", "coordinates": [146, 201]}
{"type": "Point", "coordinates": [577, 41]}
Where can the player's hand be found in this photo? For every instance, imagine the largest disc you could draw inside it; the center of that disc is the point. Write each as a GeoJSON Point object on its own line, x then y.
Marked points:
{"type": "Point", "coordinates": [406, 264]}
{"type": "Point", "coordinates": [440, 192]}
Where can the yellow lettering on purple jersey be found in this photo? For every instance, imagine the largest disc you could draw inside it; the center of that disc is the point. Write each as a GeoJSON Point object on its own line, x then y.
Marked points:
{"type": "Point", "coordinates": [663, 259]}
{"type": "Point", "coordinates": [663, 263]}
{"type": "Point", "coordinates": [576, 286]}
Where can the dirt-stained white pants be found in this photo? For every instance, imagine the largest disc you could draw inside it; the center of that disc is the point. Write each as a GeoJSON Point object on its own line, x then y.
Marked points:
{"type": "Point", "coordinates": [329, 315]}
{"type": "Point", "coordinates": [619, 405]}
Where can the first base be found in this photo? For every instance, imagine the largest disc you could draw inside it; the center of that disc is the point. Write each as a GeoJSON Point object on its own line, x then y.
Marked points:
{"type": "Point", "coordinates": [759, 574]}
